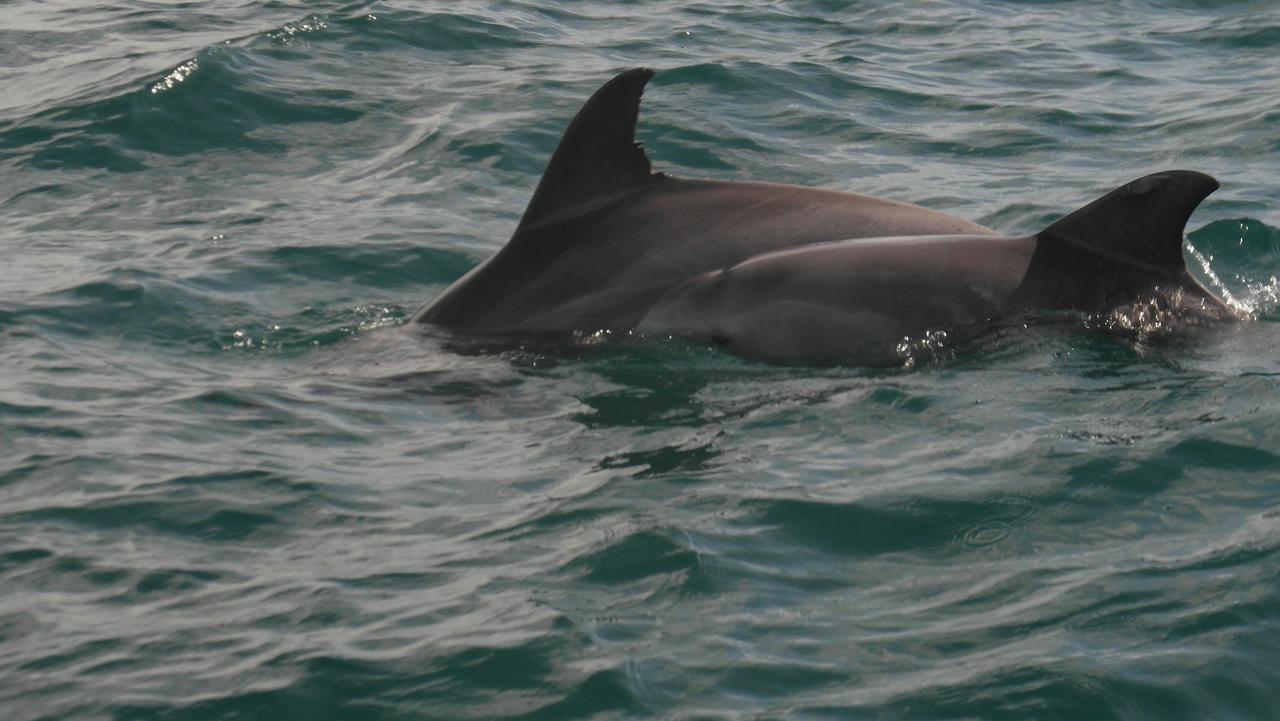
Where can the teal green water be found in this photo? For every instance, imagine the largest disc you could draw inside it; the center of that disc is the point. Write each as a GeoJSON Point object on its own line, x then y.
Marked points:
{"type": "Point", "coordinates": [233, 485]}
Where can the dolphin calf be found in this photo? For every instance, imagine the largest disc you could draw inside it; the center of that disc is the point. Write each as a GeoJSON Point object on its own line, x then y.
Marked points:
{"type": "Point", "coordinates": [604, 237]}
{"type": "Point", "coordinates": [861, 301]}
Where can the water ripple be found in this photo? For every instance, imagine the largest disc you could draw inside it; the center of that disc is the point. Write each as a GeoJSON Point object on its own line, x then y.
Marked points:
{"type": "Point", "coordinates": [234, 483]}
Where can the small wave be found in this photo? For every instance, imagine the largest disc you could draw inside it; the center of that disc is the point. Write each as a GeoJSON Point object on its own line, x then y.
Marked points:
{"type": "Point", "coordinates": [691, 459]}
{"type": "Point", "coordinates": [440, 32]}
{"type": "Point", "coordinates": [1240, 260]}
{"type": "Point", "coordinates": [374, 265]}
{"type": "Point", "coordinates": [126, 304]}
{"type": "Point", "coordinates": [294, 31]}
{"type": "Point", "coordinates": [858, 529]}
{"type": "Point", "coordinates": [640, 556]}
{"type": "Point", "coordinates": [305, 330]}
{"type": "Point", "coordinates": [202, 519]}
{"type": "Point", "coordinates": [1234, 34]}
{"type": "Point", "coordinates": [209, 313]}
{"type": "Point", "coordinates": [175, 76]}
{"type": "Point", "coordinates": [224, 97]}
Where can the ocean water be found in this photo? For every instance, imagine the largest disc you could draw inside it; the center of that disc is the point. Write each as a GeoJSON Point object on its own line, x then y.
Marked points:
{"type": "Point", "coordinates": [235, 485]}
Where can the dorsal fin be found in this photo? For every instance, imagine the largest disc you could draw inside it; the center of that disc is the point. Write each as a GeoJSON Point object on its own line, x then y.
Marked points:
{"type": "Point", "coordinates": [1117, 248]}
{"type": "Point", "coordinates": [1140, 223]}
{"type": "Point", "coordinates": [598, 155]}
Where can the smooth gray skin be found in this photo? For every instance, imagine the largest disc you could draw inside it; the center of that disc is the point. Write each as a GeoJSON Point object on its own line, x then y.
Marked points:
{"type": "Point", "coordinates": [857, 301]}
{"type": "Point", "coordinates": [851, 302]}
{"type": "Point", "coordinates": [604, 237]}
{"type": "Point", "coordinates": [648, 244]}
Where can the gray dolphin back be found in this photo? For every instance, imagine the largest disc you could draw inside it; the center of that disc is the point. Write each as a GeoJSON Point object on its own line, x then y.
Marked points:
{"type": "Point", "coordinates": [604, 236]}
{"type": "Point", "coordinates": [862, 301]}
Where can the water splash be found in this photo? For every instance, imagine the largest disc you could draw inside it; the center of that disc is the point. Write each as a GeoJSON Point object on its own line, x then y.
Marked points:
{"type": "Point", "coordinates": [310, 328]}
{"type": "Point", "coordinates": [931, 345]}
{"type": "Point", "coordinates": [594, 338]}
{"type": "Point", "coordinates": [288, 33]}
{"type": "Point", "coordinates": [1203, 262]}
{"type": "Point", "coordinates": [1237, 260]}
{"type": "Point", "coordinates": [1165, 313]}
{"type": "Point", "coordinates": [176, 76]}
{"type": "Point", "coordinates": [1264, 296]}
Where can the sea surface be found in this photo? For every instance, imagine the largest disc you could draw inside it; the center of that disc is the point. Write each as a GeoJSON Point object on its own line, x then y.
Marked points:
{"type": "Point", "coordinates": [235, 484]}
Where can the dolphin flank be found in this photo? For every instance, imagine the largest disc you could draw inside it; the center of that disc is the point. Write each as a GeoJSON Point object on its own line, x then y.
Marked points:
{"type": "Point", "coordinates": [855, 301]}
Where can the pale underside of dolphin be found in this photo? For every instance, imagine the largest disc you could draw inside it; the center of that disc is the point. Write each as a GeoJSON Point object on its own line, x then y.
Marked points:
{"type": "Point", "coordinates": [604, 236]}
{"type": "Point", "coordinates": [859, 301]}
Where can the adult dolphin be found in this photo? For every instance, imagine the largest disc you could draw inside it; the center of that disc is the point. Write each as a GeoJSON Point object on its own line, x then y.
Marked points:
{"type": "Point", "coordinates": [858, 302]}
{"type": "Point", "coordinates": [604, 236]}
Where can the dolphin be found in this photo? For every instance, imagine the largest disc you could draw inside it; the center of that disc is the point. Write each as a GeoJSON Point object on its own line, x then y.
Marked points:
{"type": "Point", "coordinates": [604, 236]}
{"type": "Point", "coordinates": [868, 301]}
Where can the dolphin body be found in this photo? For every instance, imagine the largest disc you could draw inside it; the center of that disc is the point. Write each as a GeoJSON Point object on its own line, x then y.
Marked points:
{"type": "Point", "coordinates": [604, 237]}
{"type": "Point", "coordinates": [867, 301]}
{"type": "Point", "coordinates": [795, 274]}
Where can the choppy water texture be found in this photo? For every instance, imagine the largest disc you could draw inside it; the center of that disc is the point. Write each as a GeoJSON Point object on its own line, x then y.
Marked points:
{"type": "Point", "coordinates": [234, 486]}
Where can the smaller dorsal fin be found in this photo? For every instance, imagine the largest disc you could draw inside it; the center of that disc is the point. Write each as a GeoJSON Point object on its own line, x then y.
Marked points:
{"type": "Point", "coordinates": [1118, 248]}
{"type": "Point", "coordinates": [598, 155]}
{"type": "Point", "coordinates": [1140, 223]}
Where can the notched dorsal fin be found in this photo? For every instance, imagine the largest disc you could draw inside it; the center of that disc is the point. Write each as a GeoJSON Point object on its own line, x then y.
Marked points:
{"type": "Point", "coordinates": [598, 155]}
{"type": "Point", "coordinates": [1140, 223]}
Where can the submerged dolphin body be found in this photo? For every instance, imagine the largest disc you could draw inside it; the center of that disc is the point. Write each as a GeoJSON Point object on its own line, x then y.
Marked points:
{"type": "Point", "coordinates": [859, 301]}
{"type": "Point", "coordinates": [604, 236]}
